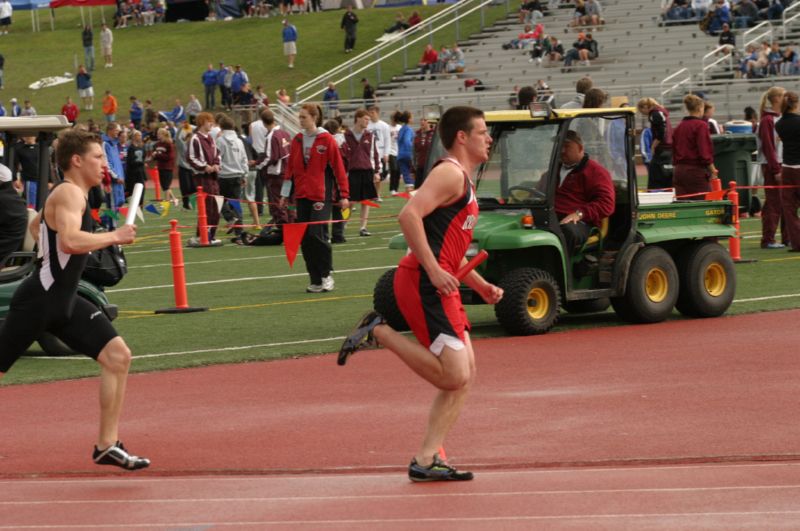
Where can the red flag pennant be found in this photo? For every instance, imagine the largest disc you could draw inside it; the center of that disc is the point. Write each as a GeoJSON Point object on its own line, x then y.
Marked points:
{"type": "Point", "coordinates": [292, 236]}
{"type": "Point", "coordinates": [96, 214]}
{"type": "Point", "coordinates": [370, 204]}
{"type": "Point", "coordinates": [123, 210]}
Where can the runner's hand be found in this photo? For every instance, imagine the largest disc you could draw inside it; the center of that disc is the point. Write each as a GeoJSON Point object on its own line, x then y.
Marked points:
{"type": "Point", "coordinates": [444, 282]}
{"type": "Point", "coordinates": [125, 234]}
{"type": "Point", "coordinates": [490, 293]}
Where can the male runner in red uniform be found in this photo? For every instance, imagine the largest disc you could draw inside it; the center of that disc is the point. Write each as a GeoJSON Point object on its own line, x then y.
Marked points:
{"type": "Point", "coordinates": [437, 223]}
{"type": "Point", "coordinates": [48, 300]}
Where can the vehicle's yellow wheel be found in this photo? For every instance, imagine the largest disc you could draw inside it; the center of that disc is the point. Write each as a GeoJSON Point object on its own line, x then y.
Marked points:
{"type": "Point", "coordinates": [707, 280]}
{"type": "Point", "coordinates": [538, 303]}
{"type": "Point", "coordinates": [530, 301]}
{"type": "Point", "coordinates": [656, 285]}
{"type": "Point", "coordinates": [715, 279]}
{"type": "Point", "coordinates": [652, 287]}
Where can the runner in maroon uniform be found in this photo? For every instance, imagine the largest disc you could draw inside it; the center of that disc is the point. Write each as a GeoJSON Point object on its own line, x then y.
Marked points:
{"type": "Point", "coordinates": [437, 223]}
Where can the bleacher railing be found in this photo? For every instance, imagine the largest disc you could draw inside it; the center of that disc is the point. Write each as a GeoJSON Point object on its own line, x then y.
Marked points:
{"type": "Point", "coordinates": [285, 116]}
{"type": "Point", "coordinates": [687, 79]}
{"type": "Point", "coordinates": [372, 58]}
{"type": "Point", "coordinates": [727, 55]}
{"type": "Point", "coordinates": [786, 18]}
{"type": "Point", "coordinates": [757, 34]}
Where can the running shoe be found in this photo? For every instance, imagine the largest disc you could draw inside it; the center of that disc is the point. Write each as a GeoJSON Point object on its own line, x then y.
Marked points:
{"type": "Point", "coordinates": [361, 336]}
{"type": "Point", "coordinates": [438, 471]}
{"type": "Point", "coordinates": [364, 232]}
{"type": "Point", "coordinates": [315, 288]}
{"type": "Point", "coordinates": [328, 283]}
{"type": "Point", "coordinates": [117, 455]}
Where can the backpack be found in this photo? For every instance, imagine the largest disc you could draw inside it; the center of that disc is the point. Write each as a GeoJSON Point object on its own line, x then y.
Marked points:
{"type": "Point", "coordinates": [105, 267]}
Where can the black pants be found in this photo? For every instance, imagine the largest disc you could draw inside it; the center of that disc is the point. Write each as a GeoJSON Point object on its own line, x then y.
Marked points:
{"type": "Point", "coordinates": [187, 185]}
{"type": "Point", "coordinates": [261, 184]}
{"type": "Point", "coordinates": [231, 188]}
{"type": "Point", "coordinates": [394, 173]}
{"type": "Point", "coordinates": [419, 178]}
{"type": "Point", "coordinates": [576, 235]}
{"type": "Point", "coordinates": [227, 101]}
{"type": "Point", "coordinates": [658, 175]}
{"type": "Point", "coordinates": [211, 100]}
{"type": "Point", "coordinates": [317, 251]}
{"type": "Point", "coordinates": [349, 39]}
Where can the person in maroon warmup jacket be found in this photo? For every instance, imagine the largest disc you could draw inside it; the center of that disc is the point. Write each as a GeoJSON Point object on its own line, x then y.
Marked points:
{"type": "Point", "coordinates": [770, 167]}
{"type": "Point", "coordinates": [692, 151]}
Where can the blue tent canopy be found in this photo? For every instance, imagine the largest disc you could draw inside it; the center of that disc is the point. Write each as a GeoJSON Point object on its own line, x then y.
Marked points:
{"type": "Point", "coordinates": [29, 4]}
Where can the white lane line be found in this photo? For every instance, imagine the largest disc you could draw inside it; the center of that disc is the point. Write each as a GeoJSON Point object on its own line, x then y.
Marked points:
{"type": "Point", "coordinates": [338, 477]}
{"type": "Point", "coordinates": [247, 279]}
{"type": "Point", "coordinates": [263, 499]}
{"type": "Point", "coordinates": [414, 521]}
{"type": "Point", "coordinates": [771, 297]}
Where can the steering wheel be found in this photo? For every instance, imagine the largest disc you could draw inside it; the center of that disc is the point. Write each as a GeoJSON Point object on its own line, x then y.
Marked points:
{"type": "Point", "coordinates": [520, 194]}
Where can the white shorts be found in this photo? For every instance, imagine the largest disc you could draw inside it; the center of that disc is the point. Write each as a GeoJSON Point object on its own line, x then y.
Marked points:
{"type": "Point", "coordinates": [106, 50]}
{"type": "Point", "coordinates": [86, 93]}
{"type": "Point", "coordinates": [250, 185]}
{"type": "Point", "coordinates": [290, 48]}
{"type": "Point", "coordinates": [445, 340]}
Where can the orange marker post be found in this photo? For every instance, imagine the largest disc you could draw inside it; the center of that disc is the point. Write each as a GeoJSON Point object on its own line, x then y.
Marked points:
{"type": "Point", "coordinates": [153, 174]}
{"type": "Point", "coordinates": [178, 275]}
{"type": "Point", "coordinates": [735, 242]}
{"type": "Point", "coordinates": [202, 219]}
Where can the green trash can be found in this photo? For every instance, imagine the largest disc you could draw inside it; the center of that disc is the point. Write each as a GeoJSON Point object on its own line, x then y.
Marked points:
{"type": "Point", "coordinates": [732, 157]}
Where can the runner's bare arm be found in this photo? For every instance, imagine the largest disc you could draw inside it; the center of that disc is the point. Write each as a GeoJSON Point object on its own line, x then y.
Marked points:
{"type": "Point", "coordinates": [64, 211]}
{"type": "Point", "coordinates": [443, 186]}
{"type": "Point", "coordinates": [490, 293]}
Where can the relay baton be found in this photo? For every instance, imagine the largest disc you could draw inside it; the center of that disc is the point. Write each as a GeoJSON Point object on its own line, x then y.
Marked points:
{"type": "Point", "coordinates": [133, 205]}
{"type": "Point", "coordinates": [477, 260]}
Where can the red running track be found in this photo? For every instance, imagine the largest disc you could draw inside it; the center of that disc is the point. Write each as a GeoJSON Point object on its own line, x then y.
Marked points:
{"type": "Point", "coordinates": [681, 424]}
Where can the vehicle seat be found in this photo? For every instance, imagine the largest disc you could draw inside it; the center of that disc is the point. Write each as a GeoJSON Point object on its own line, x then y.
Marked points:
{"type": "Point", "coordinates": [597, 236]}
{"type": "Point", "coordinates": [29, 245]}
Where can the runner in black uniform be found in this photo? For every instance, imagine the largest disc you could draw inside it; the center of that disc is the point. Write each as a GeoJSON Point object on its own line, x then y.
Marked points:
{"type": "Point", "coordinates": [48, 300]}
{"type": "Point", "coordinates": [437, 223]}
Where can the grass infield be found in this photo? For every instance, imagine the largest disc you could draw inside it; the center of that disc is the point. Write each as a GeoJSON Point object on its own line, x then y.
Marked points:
{"type": "Point", "coordinates": [259, 309]}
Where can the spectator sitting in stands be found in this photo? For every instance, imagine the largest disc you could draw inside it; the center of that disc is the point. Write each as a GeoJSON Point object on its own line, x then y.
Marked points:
{"type": "Point", "coordinates": [727, 39]}
{"type": "Point", "coordinates": [530, 12]}
{"type": "Point", "coordinates": [700, 8]}
{"type": "Point", "coordinates": [159, 11]}
{"type": "Point", "coordinates": [583, 49]}
{"type": "Point", "coordinates": [789, 66]}
{"type": "Point", "coordinates": [400, 24]}
{"type": "Point", "coordinates": [542, 88]}
{"type": "Point", "coordinates": [540, 48]}
{"type": "Point", "coordinates": [525, 38]}
{"type": "Point", "coordinates": [678, 10]}
{"type": "Point", "coordinates": [594, 13]}
{"type": "Point", "coordinates": [757, 62]}
{"type": "Point", "coordinates": [427, 63]}
{"type": "Point", "coordinates": [578, 14]}
{"type": "Point", "coordinates": [721, 15]}
{"type": "Point", "coordinates": [556, 52]}
{"type": "Point", "coordinates": [455, 64]}
{"type": "Point", "coordinates": [441, 63]}
{"type": "Point", "coordinates": [773, 12]}
{"type": "Point", "coordinates": [414, 19]}
{"type": "Point", "coordinates": [750, 54]}
{"type": "Point", "coordinates": [745, 14]}
{"type": "Point", "coordinates": [775, 58]}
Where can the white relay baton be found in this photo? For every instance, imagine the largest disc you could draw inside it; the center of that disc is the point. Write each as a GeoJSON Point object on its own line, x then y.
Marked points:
{"type": "Point", "coordinates": [133, 205]}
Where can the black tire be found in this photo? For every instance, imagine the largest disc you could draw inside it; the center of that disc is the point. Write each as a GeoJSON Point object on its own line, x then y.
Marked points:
{"type": "Point", "coordinates": [384, 302]}
{"type": "Point", "coordinates": [652, 288]}
{"type": "Point", "coordinates": [708, 281]}
{"type": "Point", "coordinates": [588, 306]}
{"type": "Point", "coordinates": [52, 346]}
{"type": "Point", "coordinates": [530, 302]}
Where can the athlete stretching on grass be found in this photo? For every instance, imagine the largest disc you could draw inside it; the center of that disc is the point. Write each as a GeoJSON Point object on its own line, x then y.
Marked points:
{"type": "Point", "coordinates": [437, 223]}
{"type": "Point", "coordinates": [48, 301]}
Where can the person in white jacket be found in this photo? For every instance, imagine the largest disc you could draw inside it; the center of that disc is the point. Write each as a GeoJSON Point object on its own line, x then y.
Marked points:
{"type": "Point", "coordinates": [106, 42]}
{"type": "Point", "coordinates": [5, 16]}
{"type": "Point", "coordinates": [232, 172]}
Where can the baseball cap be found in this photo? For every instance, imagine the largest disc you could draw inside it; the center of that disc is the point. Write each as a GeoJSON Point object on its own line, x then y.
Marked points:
{"type": "Point", "coordinates": [5, 174]}
{"type": "Point", "coordinates": [13, 100]}
{"type": "Point", "coordinates": [573, 136]}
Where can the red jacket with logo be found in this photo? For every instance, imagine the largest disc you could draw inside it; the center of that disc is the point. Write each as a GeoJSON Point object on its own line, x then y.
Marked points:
{"type": "Point", "coordinates": [588, 188]}
{"type": "Point", "coordinates": [309, 178]}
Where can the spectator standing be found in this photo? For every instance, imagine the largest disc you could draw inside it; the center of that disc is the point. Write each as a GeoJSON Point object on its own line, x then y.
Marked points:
{"type": "Point", "coordinates": [360, 153]}
{"type": "Point", "coordinates": [238, 81]}
{"type": "Point", "coordinates": [770, 160]}
{"type": "Point", "coordinates": [277, 145]}
{"type": "Point", "coordinates": [27, 157]}
{"type": "Point", "coordinates": [383, 138]}
{"type": "Point", "coordinates": [349, 25]}
{"type": "Point", "coordinates": [423, 140]}
{"type": "Point", "coordinates": [193, 108]}
{"type": "Point", "coordinates": [13, 216]}
{"type": "Point", "coordinates": [16, 110]}
{"type": "Point", "coordinates": [312, 151]}
{"type": "Point", "coordinates": [223, 97]}
{"type": "Point", "coordinates": [227, 82]}
{"type": "Point", "coordinates": [150, 116]}
{"type": "Point", "coordinates": [693, 152]}
{"type": "Point", "coordinates": [106, 44]}
{"type": "Point", "coordinates": [134, 163]}
{"type": "Point", "coordinates": [110, 106]}
{"type": "Point", "coordinates": [405, 149]}
{"type": "Point", "coordinates": [368, 94]}
{"type": "Point", "coordinates": [70, 110]}
{"type": "Point", "coordinates": [258, 131]}
{"type": "Point", "coordinates": [28, 109]}
{"type": "Point", "coordinates": [111, 147]}
{"type": "Point", "coordinates": [581, 88]}
{"type": "Point", "coordinates": [85, 89]}
{"type": "Point", "coordinates": [6, 9]}
{"type": "Point", "coordinates": [2, 66]}
{"type": "Point", "coordinates": [204, 158]}
{"type": "Point", "coordinates": [209, 79]}
{"type": "Point", "coordinates": [289, 35]}
{"type": "Point", "coordinates": [185, 179]}
{"type": "Point", "coordinates": [331, 99]}
{"type": "Point", "coordinates": [262, 100]}
{"type": "Point", "coordinates": [2, 109]}
{"type": "Point", "coordinates": [87, 36]}
{"type": "Point", "coordinates": [708, 115]}
{"type": "Point", "coordinates": [232, 172]}
{"type": "Point", "coordinates": [788, 129]}
{"type": "Point", "coordinates": [135, 113]}
{"type": "Point", "coordinates": [164, 155]}
{"type": "Point", "coordinates": [661, 147]}
{"type": "Point", "coordinates": [394, 170]}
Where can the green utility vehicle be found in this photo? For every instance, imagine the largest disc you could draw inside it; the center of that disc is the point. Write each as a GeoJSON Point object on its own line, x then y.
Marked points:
{"type": "Point", "coordinates": [20, 265]}
{"type": "Point", "coordinates": [653, 254]}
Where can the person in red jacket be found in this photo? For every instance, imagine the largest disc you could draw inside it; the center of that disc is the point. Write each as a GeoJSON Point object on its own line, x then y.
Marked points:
{"type": "Point", "coordinates": [692, 151]}
{"type": "Point", "coordinates": [770, 167]}
{"type": "Point", "coordinates": [164, 155]}
{"type": "Point", "coordinates": [585, 195]}
{"type": "Point", "coordinates": [360, 152]}
{"type": "Point", "coordinates": [70, 110]}
{"type": "Point", "coordinates": [429, 60]}
{"type": "Point", "coordinates": [313, 150]}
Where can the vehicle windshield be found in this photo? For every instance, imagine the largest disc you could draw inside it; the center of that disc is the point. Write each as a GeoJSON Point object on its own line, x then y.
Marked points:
{"type": "Point", "coordinates": [519, 160]}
